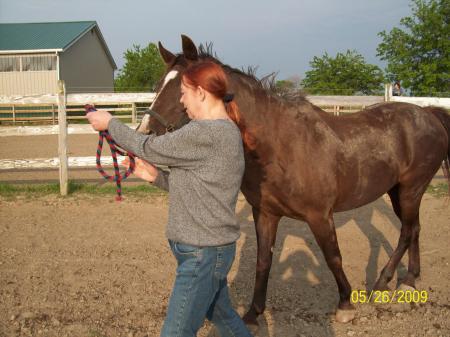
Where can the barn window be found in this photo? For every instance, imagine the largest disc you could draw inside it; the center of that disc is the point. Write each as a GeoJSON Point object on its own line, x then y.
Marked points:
{"type": "Point", "coordinates": [27, 63]}
{"type": "Point", "coordinates": [9, 63]}
{"type": "Point", "coordinates": [38, 63]}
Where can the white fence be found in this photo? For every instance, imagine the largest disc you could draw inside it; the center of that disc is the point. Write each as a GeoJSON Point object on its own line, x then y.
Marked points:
{"type": "Point", "coordinates": [423, 101]}
{"type": "Point", "coordinates": [335, 104]}
{"type": "Point", "coordinates": [130, 106]}
{"type": "Point", "coordinates": [40, 108]}
{"type": "Point", "coordinates": [140, 97]}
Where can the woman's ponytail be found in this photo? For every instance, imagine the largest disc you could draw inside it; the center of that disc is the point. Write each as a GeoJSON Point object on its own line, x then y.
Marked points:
{"type": "Point", "coordinates": [235, 115]}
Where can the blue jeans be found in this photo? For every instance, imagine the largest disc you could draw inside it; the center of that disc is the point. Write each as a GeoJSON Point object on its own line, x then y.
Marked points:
{"type": "Point", "coordinates": [201, 291]}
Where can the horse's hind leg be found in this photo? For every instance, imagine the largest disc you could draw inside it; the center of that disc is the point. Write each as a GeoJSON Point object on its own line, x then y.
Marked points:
{"type": "Point", "coordinates": [406, 204]}
{"type": "Point", "coordinates": [266, 229]}
{"type": "Point", "coordinates": [414, 257]}
{"type": "Point", "coordinates": [325, 233]}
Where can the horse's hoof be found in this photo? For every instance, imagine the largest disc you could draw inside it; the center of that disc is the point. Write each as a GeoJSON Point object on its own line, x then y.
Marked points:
{"type": "Point", "coordinates": [345, 316]}
{"type": "Point", "coordinates": [250, 319]}
{"type": "Point", "coordinates": [406, 288]}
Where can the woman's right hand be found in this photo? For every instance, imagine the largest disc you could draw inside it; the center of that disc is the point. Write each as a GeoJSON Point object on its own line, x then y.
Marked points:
{"type": "Point", "coordinates": [142, 169]}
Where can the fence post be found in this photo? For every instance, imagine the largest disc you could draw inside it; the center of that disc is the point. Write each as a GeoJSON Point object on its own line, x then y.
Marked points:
{"type": "Point", "coordinates": [14, 114]}
{"type": "Point", "coordinates": [62, 139]}
{"type": "Point", "coordinates": [133, 112]}
{"type": "Point", "coordinates": [387, 92]}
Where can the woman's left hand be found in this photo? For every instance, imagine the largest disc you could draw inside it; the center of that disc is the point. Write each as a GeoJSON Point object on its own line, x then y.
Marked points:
{"type": "Point", "coordinates": [99, 119]}
{"type": "Point", "coordinates": [143, 169]}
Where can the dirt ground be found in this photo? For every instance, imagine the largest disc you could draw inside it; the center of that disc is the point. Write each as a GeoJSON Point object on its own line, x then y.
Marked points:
{"type": "Point", "coordinates": [89, 266]}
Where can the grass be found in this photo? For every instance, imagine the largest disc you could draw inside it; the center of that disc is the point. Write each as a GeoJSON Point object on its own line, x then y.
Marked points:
{"type": "Point", "coordinates": [74, 188]}
{"type": "Point", "coordinates": [439, 190]}
{"type": "Point", "coordinates": [44, 189]}
{"type": "Point", "coordinates": [36, 190]}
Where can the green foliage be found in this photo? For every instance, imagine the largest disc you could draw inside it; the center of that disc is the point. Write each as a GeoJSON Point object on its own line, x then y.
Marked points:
{"type": "Point", "coordinates": [346, 74]}
{"type": "Point", "coordinates": [418, 53]}
{"type": "Point", "coordinates": [142, 70]}
{"type": "Point", "coordinates": [285, 85]}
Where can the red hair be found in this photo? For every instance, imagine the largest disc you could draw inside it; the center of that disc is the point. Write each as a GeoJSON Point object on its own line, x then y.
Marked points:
{"type": "Point", "coordinates": [211, 77]}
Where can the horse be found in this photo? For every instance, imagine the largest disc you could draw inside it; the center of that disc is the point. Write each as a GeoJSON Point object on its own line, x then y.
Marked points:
{"type": "Point", "coordinates": [306, 164]}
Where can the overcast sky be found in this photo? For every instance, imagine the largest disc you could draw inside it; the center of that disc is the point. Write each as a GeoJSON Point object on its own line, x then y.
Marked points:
{"type": "Point", "coordinates": [281, 36]}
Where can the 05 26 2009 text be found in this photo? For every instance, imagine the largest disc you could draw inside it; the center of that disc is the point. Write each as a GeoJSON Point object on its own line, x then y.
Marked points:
{"type": "Point", "coordinates": [396, 296]}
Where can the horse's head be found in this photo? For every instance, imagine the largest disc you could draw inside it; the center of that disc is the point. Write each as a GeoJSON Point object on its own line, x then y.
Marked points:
{"type": "Point", "coordinates": [166, 111]}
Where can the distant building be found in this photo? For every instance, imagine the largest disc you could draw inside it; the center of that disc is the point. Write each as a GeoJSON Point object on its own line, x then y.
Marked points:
{"type": "Point", "coordinates": [34, 56]}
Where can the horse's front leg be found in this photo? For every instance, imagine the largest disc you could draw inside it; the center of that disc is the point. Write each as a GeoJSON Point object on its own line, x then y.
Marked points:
{"type": "Point", "coordinates": [266, 225]}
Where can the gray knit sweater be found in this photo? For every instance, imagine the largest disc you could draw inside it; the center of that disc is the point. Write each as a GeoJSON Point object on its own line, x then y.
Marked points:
{"type": "Point", "coordinates": [206, 164]}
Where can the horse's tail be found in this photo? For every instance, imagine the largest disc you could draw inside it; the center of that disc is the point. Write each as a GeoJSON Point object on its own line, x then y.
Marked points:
{"type": "Point", "coordinates": [444, 118]}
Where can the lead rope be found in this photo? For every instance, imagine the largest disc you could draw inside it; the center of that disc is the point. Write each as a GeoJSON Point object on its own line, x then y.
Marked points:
{"type": "Point", "coordinates": [118, 176]}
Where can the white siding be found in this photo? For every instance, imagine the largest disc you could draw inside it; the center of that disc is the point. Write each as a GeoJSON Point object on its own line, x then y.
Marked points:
{"type": "Point", "coordinates": [28, 83]}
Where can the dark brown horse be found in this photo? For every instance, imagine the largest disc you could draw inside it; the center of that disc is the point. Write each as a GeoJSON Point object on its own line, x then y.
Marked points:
{"type": "Point", "coordinates": [308, 164]}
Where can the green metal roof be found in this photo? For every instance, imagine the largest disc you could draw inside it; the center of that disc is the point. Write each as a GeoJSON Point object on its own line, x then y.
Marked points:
{"type": "Point", "coordinates": [21, 37]}
{"type": "Point", "coordinates": [45, 35]}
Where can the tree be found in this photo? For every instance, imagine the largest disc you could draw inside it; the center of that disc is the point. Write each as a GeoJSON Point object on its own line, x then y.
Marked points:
{"type": "Point", "coordinates": [285, 85]}
{"type": "Point", "coordinates": [346, 74]}
{"type": "Point", "coordinates": [291, 83]}
{"type": "Point", "coordinates": [142, 70]}
{"type": "Point", "coordinates": [418, 54]}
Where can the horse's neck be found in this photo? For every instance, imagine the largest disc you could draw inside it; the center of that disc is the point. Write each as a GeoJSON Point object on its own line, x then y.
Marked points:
{"type": "Point", "coordinates": [253, 102]}
{"type": "Point", "coordinates": [260, 108]}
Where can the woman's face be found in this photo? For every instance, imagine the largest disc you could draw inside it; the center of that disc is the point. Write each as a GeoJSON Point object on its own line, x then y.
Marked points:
{"type": "Point", "coordinates": [191, 100]}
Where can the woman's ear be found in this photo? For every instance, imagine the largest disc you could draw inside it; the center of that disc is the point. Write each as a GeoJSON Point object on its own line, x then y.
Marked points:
{"type": "Point", "coordinates": [202, 93]}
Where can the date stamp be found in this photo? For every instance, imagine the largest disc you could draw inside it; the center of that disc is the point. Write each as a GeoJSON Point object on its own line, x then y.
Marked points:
{"type": "Point", "coordinates": [384, 297]}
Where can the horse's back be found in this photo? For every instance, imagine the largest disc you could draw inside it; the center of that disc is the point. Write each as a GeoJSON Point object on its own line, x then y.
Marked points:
{"type": "Point", "coordinates": [386, 124]}
{"type": "Point", "coordinates": [382, 116]}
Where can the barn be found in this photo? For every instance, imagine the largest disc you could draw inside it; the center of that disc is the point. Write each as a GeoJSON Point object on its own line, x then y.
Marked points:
{"type": "Point", "coordinates": [34, 56]}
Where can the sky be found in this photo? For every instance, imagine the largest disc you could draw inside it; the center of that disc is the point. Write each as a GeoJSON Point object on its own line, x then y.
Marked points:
{"type": "Point", "coordinates": [276, 36]}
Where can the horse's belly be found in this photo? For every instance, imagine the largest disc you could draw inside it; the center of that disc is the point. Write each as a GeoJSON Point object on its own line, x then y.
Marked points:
{"type": "Point", "coordinates": [366, 187]}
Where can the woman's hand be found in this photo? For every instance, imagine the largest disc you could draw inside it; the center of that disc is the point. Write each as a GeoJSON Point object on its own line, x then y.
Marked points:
{"type": "Point", "coordinates": [99, 119]}
{"type": "Point", "coordinates": [143, 169]}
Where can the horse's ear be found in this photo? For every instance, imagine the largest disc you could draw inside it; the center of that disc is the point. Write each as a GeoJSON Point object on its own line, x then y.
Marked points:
{"type": "Point", "coordinates": [189, 48]}
{"type": "Point", "coordinates": [167, 56]}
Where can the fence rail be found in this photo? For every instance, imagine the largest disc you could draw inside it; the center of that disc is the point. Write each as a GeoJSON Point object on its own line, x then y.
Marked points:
{"type": "Point", "coordinates": [43, 108]}
{"type": "Point", "coordinates": [130, 106]}
{"type": "Point", "coordinates": [13, 114]}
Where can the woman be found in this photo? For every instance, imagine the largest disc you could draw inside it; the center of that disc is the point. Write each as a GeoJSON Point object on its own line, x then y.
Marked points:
{"type": "Point", "coordinates": [206, 164]}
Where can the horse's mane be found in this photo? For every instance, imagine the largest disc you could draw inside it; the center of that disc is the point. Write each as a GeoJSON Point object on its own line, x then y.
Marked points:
{"type": "Point", "coordinates": [266, 83]}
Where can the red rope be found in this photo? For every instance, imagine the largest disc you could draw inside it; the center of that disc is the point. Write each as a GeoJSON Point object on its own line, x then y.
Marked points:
{"type": "Point", "coordinates": [118, 177]}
